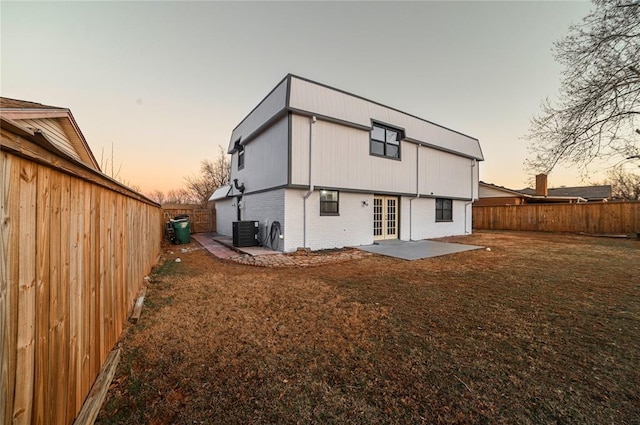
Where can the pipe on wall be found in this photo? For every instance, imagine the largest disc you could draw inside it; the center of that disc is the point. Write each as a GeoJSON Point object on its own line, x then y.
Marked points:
{"type": "Point", "coordinates": [467, 204]}
{"type": "Point", "coordinates": [417, 192]}
{"type": "Point", "coordinates": [312, 121]}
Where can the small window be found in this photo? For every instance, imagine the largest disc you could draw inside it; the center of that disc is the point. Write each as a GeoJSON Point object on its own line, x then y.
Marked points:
{"type": "Point", "coordinates": [329, 202]}
{"type": "Point", "coordinates": [444, 209]}
{"type": "Point", "coordinates": [385, 141]}
{"type": "Point", "coordinates": [241, 158]}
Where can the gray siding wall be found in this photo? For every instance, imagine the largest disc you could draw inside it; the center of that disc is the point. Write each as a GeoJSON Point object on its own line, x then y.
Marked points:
{"type": "Point", "coordinates": [341, 159]}
{"type": "Point", "coordinates": [270, 106]}
{"type": "Point", "coordinates": [320, 100]}
{"type": "Point", "coordinates": [265, 159]}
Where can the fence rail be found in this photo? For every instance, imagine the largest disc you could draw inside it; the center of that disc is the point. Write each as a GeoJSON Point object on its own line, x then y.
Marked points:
{"type": "Point", "coordinates": [75, 247]}
{"type": "Point", "coordinates": [600, 218]}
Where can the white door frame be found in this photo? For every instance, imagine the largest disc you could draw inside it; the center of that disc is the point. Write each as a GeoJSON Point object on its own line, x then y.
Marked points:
{"type": "Point", "coordinates": [385, 217]}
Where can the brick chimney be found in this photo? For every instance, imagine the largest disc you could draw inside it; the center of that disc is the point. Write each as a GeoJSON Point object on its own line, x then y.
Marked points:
{"type": "Point", "coordinates": [541, 185]}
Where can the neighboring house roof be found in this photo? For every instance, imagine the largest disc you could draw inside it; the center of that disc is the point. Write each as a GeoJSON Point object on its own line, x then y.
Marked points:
{"type": "Point", "coordinates": [500, 189]}
{"type": "Point", "coordinates": [7, 103]}
{"type": "Point", "coordinates": [488, 190]}
{"type": "Point", "coordinates": [586, 192]}
{"type": "Point", "coordinates": [55, 126]}
{"type": "Point", "coordinates": [306, 97]}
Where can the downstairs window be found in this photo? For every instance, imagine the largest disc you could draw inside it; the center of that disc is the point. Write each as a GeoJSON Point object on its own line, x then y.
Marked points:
{"type": "Point", "coordinates": [444, 209]}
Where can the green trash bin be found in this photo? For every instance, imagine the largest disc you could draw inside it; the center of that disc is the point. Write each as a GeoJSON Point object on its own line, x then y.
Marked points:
{"type": "Point", "coordinates": [182, 231]}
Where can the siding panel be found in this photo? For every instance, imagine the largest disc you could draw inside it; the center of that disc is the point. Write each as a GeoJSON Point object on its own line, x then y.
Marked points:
{"type": "Point", "coordinates": [322, 100]}
{"type": "Point", "coordinates": [341, 159]}
{"type": "Point", "coordinates": [447, 175]}
{"type": "Point", "coordinates": [266, 159]}
{"type": "Point", "coordinates": [270, 106]}
{"type": "Point", "coordinates": [54, 131]}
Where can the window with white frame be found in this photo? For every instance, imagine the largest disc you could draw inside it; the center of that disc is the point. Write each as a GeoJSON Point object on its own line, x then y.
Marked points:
{"type": "Point", "coordinates": [444, 209]}
{"type": "Point", "coordinates": [329, 202]}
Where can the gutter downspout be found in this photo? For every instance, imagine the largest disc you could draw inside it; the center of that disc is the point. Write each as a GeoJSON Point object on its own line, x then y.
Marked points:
{"type": "Point", "coordinates": [467, 204]}
{"type": "Point", "coordinates": [312, 121]}
{"type": "Point", "coordinates": [417, 192]}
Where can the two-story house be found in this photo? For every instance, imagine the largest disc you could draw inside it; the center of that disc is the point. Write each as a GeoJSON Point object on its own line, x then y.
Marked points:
{"type": "Point", "coordinates": [321, 168]}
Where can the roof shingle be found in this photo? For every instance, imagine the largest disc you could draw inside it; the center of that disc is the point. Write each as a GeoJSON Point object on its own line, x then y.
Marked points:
{"type": "Point", "coordinates": [586, 192]}
{"type": "Point", "coordinates": [8, 103]}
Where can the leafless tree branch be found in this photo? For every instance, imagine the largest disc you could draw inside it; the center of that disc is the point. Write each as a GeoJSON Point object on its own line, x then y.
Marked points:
{"type": "Point", "coordinates": [599, 102]}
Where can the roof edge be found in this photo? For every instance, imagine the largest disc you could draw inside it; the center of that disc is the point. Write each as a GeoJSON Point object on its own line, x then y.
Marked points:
{"type": "Point", "coordinates": [381, 104]}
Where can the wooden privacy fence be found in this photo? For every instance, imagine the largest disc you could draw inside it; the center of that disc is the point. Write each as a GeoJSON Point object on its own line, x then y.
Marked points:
{"type": "Point", "coordinates": [203, 220]}
{"type": "Point", "coordinates": [603, 218]}
{"type": "Point", "coordinates": [75, 248]}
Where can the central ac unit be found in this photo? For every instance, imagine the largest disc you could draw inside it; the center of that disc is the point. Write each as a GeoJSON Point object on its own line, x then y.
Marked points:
{"type": "Point", "coordinates": [245, 233]}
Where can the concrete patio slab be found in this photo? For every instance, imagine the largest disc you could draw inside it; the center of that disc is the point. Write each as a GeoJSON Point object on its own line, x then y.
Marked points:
{"type": "Point", "coordinates": [214, 247]}
{"type": "Point", "coordinates": [251, 250]}
{"type": "Point", "coordinates": [416, 250]}
{"type": "Point", "coordinates": [222, 246]}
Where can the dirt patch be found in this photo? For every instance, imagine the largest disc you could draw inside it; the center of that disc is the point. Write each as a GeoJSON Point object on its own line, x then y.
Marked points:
{"type": "Point", "coordinates": [541, 329]}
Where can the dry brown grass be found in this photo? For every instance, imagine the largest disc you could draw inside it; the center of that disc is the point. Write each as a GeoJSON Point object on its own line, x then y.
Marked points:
{"type": "Point", "coordinates": [544, 328]}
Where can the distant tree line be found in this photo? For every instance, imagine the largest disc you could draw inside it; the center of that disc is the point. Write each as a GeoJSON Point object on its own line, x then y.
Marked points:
{"type": "Point", "coordinates": [198, 187]}
{"type": "Point", "coordinates": [624, 185]}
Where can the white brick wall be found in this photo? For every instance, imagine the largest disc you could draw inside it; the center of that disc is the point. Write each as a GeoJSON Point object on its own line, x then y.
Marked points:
{"type": "Point", "coordinates": [353, 227]}
{"type": "Point", "coordinates": [266, 207]}
{"type": "Point", "coordinates": [424, 225]}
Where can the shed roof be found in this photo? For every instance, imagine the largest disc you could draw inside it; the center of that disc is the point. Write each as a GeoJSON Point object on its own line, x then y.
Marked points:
{"type": "Point", "coordinates": [220, 193]}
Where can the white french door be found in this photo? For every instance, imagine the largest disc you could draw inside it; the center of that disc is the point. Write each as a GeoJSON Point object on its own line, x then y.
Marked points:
{"type": "Point", "coordinates": [385, 217]}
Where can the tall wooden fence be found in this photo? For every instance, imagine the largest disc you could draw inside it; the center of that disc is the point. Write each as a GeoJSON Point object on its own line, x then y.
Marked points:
{"type": "Point", "coordinates": [75, 247]}
{"type": "Point", "coordinates": [202, 220]}
{"type": "Point", "coordinates": [602, 218]}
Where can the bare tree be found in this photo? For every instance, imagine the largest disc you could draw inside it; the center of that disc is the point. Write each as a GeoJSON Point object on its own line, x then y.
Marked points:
{"type": "Point", "coordinates": [157, 196]}
{"type": "Point", "coordinates": [599, 94]}
{"type": "Point", "coordinates": [179, 196]}
{"type": "Point", "coordinates": [213, 174]}
{"type": "Point", "coordinates": [108, 168]}
{"type": "Point", "coordinates": [624, 185]}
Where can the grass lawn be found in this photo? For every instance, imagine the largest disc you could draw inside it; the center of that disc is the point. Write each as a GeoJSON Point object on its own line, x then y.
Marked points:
{"type": "Point", "coordinates": [544, 328]}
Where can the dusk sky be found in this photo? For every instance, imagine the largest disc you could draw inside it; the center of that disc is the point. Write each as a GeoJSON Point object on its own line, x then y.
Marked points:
{"type": "Point", "coordinates": [166, 82]}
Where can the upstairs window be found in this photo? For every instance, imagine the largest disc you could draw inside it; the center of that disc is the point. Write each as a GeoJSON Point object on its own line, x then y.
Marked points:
{"type": "Point", "coordinates": [241, 158]}
{"type": "Point", "coordinates": [240, 149]}
{"type": "Point", "coordinates": [444, 209]}
{"type": "Point", "coordinates": [329, 202]}
{"type": "Point", "coordinates": [385, 141]}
